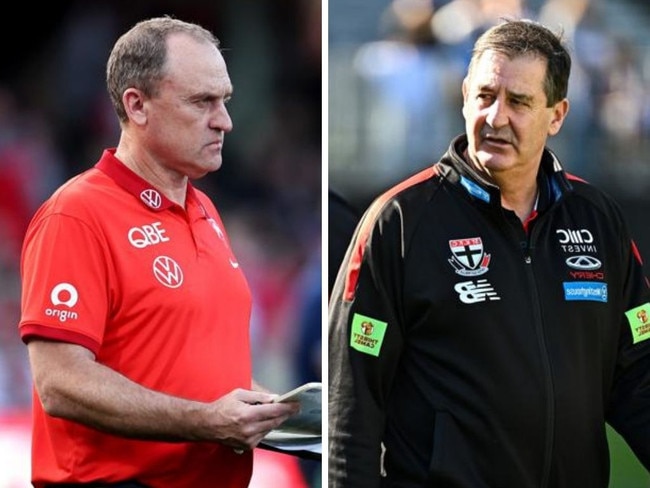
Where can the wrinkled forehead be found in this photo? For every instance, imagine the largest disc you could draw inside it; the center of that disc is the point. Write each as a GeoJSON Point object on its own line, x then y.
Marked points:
{"type": "Point", "coordinates": [495, 67]}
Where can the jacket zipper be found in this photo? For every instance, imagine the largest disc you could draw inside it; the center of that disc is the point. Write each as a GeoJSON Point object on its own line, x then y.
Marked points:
{"type": "Point", "coordinates": [548, 381]}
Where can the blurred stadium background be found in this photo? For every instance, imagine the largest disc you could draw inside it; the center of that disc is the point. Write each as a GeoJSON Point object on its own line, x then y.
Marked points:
{"type": "Point", "coordinates": [55, 119]}
{"type": "Point", "coordinates": [394, 88]}
{"type": "Point", "coordinates": [395, 71]}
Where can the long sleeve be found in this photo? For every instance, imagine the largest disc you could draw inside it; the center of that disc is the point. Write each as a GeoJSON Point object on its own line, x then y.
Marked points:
{"type": "Point", "coordinates": [365, 342]}
{"type": "Point", "coordinates": [629, 408]}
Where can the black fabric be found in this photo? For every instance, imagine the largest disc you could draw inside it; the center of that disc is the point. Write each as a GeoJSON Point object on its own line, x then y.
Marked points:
{"type": "Point", "coordinates": [466, 351]}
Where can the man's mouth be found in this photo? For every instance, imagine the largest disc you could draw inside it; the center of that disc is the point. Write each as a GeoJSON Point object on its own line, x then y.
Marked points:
{"type": "Point", "coordinates": [497, 141]}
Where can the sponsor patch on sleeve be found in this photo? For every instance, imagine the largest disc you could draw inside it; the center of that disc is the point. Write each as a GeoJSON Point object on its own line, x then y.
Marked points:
{"type": "Point", "coordinates": [639, 320]}
{"type": "Point", "coordinates": [367, 334]}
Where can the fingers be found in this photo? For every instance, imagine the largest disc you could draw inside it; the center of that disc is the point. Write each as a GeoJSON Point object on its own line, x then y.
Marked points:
{"type": "Point", "coordinates": [253, 397]}
{"type": "Point", "coordinates": [242, 418]}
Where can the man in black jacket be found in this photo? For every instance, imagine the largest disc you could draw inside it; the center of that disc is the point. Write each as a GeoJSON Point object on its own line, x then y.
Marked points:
{"type": "Point", "coordinates": [492, 313]}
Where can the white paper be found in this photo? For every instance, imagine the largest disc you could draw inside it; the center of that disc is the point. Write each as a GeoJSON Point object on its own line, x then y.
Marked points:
{"type": "Point", "coordinates": [303, 430]}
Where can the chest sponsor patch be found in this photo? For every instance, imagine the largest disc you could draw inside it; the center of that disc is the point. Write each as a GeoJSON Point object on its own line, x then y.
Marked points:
{"type": "Point", "coordinates": [367, 334]}
{"type": "Point", "coordinates": [591, 291]}
{"type": "Point", "coordinates": [639, 320]}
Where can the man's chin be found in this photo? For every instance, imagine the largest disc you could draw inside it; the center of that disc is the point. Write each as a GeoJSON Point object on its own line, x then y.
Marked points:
{"type": "Point", "coordinates": [492, 161]}
{"type": "Point", "coordinates": [204, 170]}
{"type": "Point", "coordinates": [214, 164]}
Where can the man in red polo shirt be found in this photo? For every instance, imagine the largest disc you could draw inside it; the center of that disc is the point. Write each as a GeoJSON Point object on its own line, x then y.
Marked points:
{"type": "Point", "coordinates": [135, 311]}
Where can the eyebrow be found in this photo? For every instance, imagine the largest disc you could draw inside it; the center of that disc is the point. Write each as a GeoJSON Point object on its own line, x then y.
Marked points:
{"type": "Point", "coordinates": [521, 97]}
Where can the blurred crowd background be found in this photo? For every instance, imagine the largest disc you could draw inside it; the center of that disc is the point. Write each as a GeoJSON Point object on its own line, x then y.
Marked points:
{"type": "Point", "coordinates": [55, 120]}
{"type": "Point", "coordinates": [395, 74]}
{"type": "Point", "coordinates": [395, 69]}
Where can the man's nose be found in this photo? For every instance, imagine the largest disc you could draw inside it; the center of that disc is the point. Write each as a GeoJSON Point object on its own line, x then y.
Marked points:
{"type": "Point", "coordinates": [497, 114]}
{"type": "Point", "coordinates": [221, 119]}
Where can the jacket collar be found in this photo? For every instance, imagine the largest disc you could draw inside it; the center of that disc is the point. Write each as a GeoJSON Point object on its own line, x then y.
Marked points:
{"type": "Point", "coordinates": [551, 178]}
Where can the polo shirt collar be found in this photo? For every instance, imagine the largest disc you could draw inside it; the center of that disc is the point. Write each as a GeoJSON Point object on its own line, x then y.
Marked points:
{"type": "Point", "coordinates": [144, 191]}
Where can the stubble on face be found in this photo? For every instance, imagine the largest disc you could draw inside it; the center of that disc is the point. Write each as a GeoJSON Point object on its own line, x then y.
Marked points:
{"type": "Point", "coordinates": [506, 117]}
{"type": "Point", "coordinates": [198, 86]}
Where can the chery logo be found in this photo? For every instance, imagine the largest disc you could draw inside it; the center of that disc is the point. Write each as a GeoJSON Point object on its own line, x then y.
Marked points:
{"type": "Point", "coordinates": [583, 262]}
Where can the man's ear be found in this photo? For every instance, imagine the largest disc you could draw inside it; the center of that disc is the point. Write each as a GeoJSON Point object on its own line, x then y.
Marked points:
{"type": "Point", "coordinates": [560, 111]}
{"type": "Point", "coordinates": [465, 90]}
{"type": "Point", "coordinates": [134, 104]}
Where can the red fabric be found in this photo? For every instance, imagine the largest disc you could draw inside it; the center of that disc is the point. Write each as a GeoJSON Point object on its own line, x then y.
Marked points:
{"type": "Point", "coordinates": [157, 294]}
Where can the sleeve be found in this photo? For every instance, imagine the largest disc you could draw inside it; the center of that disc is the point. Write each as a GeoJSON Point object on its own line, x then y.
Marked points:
{"type": "Point", "coordinates": [64, 283]}
{"type": "Point", "coordinates": [629, 407]}
{"type": "Point", "coordinates": [342, 222]}
{"type": "Point", "coordinates": [365, 342]}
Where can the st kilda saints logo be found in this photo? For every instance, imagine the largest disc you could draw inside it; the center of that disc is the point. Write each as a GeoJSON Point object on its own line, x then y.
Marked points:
{"type": "Point", "coordinates": [468, 256]}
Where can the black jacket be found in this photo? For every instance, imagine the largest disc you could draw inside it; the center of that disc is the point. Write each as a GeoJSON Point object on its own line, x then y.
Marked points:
{"type": "Point", "coordinates": [482, 353]}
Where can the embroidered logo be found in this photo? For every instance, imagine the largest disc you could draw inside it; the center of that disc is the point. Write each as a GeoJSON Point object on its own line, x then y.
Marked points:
{"type": "Point", "coordinates": [481, 291]}
{"type": "Point", "coordinates": [151, 198]}
{"type": "Point", "coordinates": [587, 263]}
{"type": "Point", "coordinates": [639, 318]}
{"type": "Point", "coordinates": [168, 272]}
{"type": "Point", "coordinates": [573, 241]}
{"type": "Point", "coordinates": [147, 235]}
{"type": "Point", "coordinates": [468, 257]}
{"type": "Point", "coordinates": [63, 294]}
{"type": "Point", "coordinates": [591, 291]}
{"type": "Point", "coordinates": [367, 334]}
{"type": "Point", "coordinates": [216, 227]}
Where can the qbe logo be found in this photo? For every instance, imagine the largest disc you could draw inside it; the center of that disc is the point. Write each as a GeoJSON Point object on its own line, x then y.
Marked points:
{"type": "Point", "coordinates": [63, 294]}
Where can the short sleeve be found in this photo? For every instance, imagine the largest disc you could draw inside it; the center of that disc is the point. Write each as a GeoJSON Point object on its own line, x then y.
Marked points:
{"type": "Point", "coordinates": [64, 282]}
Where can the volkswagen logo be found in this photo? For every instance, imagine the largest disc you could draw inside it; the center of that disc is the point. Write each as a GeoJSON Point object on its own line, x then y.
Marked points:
{"type": "Point", "coordinates": [583, 262]}
{"type": "Point", "coordinates": [151, 198]}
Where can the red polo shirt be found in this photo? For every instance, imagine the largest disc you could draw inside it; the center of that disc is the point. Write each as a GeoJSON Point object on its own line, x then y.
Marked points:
{"type": "Point", "coordinates": [155, 291]}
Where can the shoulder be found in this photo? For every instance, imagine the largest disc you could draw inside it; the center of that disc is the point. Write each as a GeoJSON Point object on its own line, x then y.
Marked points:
{"type": "Point", "coordinates": [77, 193]}
{"type": "Point", "coordinates": [87, 197]}
{"type": "Point", "coordinates": [409, 196]}
{"type": "Point", "coordinates": [591, 202]}
{"type": "Point", "coordinates": [593, 195]}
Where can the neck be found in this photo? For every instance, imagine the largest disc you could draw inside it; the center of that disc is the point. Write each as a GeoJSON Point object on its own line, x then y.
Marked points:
{"type": "Point", "coordinates": [170, 183]}
{"type": "Point", "coordinates": [521, 202]}
{"type": "Point", "coordinates": [518, 189]}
